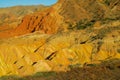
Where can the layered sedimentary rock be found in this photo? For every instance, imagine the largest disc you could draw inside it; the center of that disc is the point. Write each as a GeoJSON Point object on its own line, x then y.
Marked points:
{"type": "Point", "coordinates": [38, 52]}
{"type": "Point", "coordinates": [65, 13]}
{"type": "Point", "coordinates": [48, 21]}
{"type": "Point", "coordinates": [11, 17]}
{"type": "Point", "coordinates": [70, 33]}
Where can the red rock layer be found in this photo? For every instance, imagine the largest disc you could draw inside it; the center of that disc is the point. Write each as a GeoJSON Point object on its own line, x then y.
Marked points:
{"type": "Point", "coordinates": [65, 12]}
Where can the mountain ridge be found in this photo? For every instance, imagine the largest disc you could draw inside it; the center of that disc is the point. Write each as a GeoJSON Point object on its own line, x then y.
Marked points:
{"type": "Point", "coordinates": [70, 33]}
{"type": "Point", "coordinates": [99, 10]}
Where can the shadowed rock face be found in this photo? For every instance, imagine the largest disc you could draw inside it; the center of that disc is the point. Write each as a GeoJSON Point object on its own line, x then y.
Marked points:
{"type": "Point", "coordinates": [78, 33]}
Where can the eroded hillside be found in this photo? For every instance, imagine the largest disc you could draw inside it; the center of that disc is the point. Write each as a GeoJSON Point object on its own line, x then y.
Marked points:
{"type": "Point", "coordinates": [65, 14]}
{"type": "Point", "coordinates": [35, 52]}
{"type": "Point", "coordinates": [69, 33]}
{"type": "Point", "coordinates": [11, 17]}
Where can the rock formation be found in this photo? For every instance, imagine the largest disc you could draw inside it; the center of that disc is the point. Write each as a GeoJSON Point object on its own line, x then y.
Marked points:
{"type": "Point", "coordinates": [11, 17]}
{"type": "Point", "coordinates": [65, 13]}
{"type": "Point", "coordinates": [69, 33]}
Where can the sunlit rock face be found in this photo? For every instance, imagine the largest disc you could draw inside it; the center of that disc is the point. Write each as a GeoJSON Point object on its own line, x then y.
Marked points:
{"type": "Point", "coordinates": [48, 21]}
{"type": "Point", "coordinates": [36, 52]}
{"type": "Point", "coordinates": [11, 17]}
{"type": "Point", "coordinates": [63, 14]}
{"type": "Point", "coordinates": [69, 33]}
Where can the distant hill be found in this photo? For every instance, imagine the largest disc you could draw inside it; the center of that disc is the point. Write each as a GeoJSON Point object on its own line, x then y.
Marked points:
{"type": "Point", "coordinates": [10, 17]}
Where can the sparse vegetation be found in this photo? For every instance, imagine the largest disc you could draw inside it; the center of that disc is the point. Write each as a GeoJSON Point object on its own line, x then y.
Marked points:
{"type": "Point", "coordinates": [74, 66]}
{"type": "Point", "coordinates": [118, 50]}
{"type": "Point", "coordinates": [107, 20]}
{"type": "Point", "coordinates": [84, 24]}
{"type": "Point", "coordinates": [107, 70]}
{"type": "Point", "coordinates": [107, 2]}
{"type": "Point", "coordinates": [91, 65]}
{"type": "Point", "coordinates": [70, 26]}
{"type": "Point", "coordinates": [76, 50]}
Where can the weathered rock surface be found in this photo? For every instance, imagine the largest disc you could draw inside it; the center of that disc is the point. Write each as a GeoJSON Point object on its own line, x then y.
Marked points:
{"type": "Point", "coordinates": [91, 36]}
{"type": "Point", "coordinates": [11, 17]}
{"type": "Point", "coordinates": [65, 13]}
{"type": "Point", "coordinates": [36, 52]}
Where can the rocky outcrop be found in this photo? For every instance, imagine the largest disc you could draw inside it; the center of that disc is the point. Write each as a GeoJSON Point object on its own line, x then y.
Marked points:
{"type": "Point", "coordinates": [65, 13]}
{"type": "Point", "coordinates": [48, 21]}
{"type": "Point", "coordinates": [79, 33]}
{"type": "Point", "coordinates": [11, 16]}
{"type": "Point", "coordinates": [36, 52]}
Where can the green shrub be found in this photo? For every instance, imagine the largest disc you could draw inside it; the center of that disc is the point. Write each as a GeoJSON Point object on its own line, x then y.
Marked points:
{"type": "Point", "coordinates": [74, 66]}
{"type": "Point", "coordinates": [84, 24]}
{"type": "Point", "coordinates": [107, 2]}
{"type": "Point", "coordinates": [118, 50]}
{"type": "Point", "coordinates": [70, 27]}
